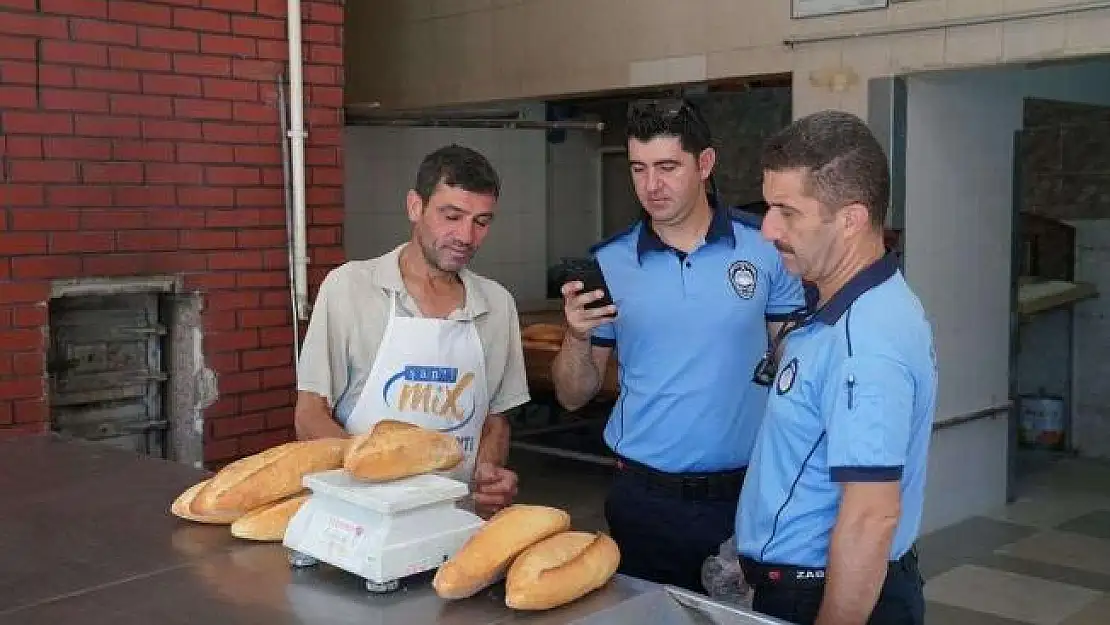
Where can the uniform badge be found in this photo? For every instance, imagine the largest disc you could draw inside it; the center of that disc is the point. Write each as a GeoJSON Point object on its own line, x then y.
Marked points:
{"type": "Point", "coordinates": [742, 276]}
{"type": "Point", "coordinates": [787, 375]}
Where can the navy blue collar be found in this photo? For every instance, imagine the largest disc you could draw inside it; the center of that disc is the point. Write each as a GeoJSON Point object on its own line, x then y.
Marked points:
{"type": "Point", "coordinates": [720, 229]}
{"type": "Point", "coordinates": [875, 274]}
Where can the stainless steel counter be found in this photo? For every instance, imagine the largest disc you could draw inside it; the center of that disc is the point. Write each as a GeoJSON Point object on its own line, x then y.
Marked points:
{"type": "Point", "coordinates": [87, 537]}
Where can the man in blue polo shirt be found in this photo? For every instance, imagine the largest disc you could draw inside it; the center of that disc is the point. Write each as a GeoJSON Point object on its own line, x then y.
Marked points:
{"type": "Point", "coordinates": [694, 287]}
{"type": "Point", "coordinates": [832, 503]}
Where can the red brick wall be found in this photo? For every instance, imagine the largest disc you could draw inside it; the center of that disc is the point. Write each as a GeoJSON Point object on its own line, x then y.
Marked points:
{"type": "Point", "coordinates": [142, 137]}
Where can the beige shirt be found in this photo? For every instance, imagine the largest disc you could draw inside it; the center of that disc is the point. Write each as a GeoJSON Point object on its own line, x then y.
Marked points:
{"type": "Point", "coordinates": [349, 319]}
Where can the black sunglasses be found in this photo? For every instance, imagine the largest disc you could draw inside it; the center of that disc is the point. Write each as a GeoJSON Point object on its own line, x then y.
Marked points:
{"type": "Point", "coordinates": [663, 107]}
{"type": "Point", "coordinates": [665, 110]}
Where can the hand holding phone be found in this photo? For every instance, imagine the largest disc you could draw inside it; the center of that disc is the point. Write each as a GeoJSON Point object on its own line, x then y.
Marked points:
{"type": "Point", "coordinates": [587, 303]}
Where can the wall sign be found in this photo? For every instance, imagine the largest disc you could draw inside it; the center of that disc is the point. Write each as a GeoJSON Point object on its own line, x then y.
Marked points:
{"type": "Point", "coordinates": [816, 8]}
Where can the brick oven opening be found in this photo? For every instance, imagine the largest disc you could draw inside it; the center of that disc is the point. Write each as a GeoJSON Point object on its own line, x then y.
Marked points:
{"type": "Point", "coordinates": [124, 366]}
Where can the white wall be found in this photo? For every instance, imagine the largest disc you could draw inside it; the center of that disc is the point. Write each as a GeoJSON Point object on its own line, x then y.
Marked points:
{"type": "Point", "coordinates": [959, 196]}
{"type": "Point", "coordinates": [967, 472]}
{"type": "Point", "coordinates": [959, 160]}
{"type": "Point", "coordinates": [572, 195]}
{"type": "Point", "coordinates": [381, 164]}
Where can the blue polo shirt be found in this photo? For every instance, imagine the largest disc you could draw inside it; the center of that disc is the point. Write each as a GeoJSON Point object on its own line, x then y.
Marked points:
{"type": "Point", "coordinates": [689, 332]}
{"type": "Point", "coordinates": [853, 401]}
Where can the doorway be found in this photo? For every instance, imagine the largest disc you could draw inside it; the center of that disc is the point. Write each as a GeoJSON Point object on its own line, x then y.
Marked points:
{"type": "Point", "coordinates": [996, 230]}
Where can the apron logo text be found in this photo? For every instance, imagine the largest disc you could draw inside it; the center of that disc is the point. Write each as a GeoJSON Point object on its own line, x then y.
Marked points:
{"type": "Point", "coordinates": [434, 391]}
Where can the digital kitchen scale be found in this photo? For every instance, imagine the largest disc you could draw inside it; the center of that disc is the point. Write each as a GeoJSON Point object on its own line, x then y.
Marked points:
{"type": "Point", "coordinates": [380, 531]}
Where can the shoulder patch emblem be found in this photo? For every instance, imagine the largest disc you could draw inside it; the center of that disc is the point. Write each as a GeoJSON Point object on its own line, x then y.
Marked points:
{"type": "Point", "coordinates": [787, 376]}
{"type": "Point", "coordinates": [743, 277]}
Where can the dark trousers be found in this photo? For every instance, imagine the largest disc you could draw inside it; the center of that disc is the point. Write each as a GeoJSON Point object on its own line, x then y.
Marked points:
{"type": "Point", "coordinates": [662, 537]}
{"type": "Point", "coordinates": [901, 600]}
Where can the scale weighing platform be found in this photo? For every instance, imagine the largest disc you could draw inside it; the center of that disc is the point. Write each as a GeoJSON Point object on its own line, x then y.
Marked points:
{"type": "Point", "coordinates": [380, 531]}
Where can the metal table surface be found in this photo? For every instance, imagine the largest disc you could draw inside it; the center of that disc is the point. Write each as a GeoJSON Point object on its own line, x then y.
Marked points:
{"type": "Point", "coordinates": [87, 537]}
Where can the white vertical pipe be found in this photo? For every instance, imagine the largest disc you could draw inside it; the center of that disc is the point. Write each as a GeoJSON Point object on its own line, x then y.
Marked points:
{"type": "Point", "coordinates": [296, 148]}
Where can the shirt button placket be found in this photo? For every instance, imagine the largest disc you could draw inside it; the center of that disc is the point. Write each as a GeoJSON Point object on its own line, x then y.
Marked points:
{"type": "Point", "coordinates": [684, 264]}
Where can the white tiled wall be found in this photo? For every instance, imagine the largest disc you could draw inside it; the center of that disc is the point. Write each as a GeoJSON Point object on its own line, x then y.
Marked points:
{"type": "Point", "coordinates": [1074, 35]}
{"type": "Point", "coordinates": [513, 49]}
{"type": "Point", "coordinates": [572, 195]}
{"type": "Point", "coordinates": [381, 164]}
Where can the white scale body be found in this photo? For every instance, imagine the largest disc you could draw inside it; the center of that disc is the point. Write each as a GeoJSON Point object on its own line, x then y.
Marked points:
{"type": "Point", "coordinates": [380, 531]}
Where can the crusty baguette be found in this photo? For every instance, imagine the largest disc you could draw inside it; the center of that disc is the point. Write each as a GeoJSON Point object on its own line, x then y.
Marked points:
{"type": "Point", "coordinates": [393, 449]}
{"type": "Point", "coordinates": [541, 346]}
{"type": "Point", "coordinates": [543, 333]}
{"type": "Point", "coordinates": [182, 507]}
{"type": "Point", "coordinates": [486, 555]}
{"type": "Point", "coordinates": [268, 523]}
{"type": "Point", "coordinates": [268, 476]}
{"type": "Point", "coordinates": [560, 569]}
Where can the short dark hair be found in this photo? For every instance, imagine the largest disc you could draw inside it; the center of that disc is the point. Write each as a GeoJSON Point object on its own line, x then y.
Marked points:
{"type": "Point", "coordinates": [669, 117]}
{"type": "Point", "coordinates": [457, 166]}
{"type": "Point", "coordinates": [843, 161]}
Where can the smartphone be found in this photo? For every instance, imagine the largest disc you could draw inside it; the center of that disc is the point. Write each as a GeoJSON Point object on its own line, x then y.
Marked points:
{"type": "Point", "coordinates": [589, 274]}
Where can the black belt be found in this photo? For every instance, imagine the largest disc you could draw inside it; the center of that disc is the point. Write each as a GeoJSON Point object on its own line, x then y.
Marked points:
{"type": "Point", "coordinates": [763, 574]}
{"type": "Point", "coordinates": [715, 486]}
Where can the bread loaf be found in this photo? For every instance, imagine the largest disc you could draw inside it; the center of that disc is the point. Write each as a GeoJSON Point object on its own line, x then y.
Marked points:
{"type": "Point", "coordinates": [393, 449]}
{"type": "Point", "coordinates": [560, 569]}
{"type": "Point", "coordinates": [484, 558]}
{"type": "Point", "coordinates": [543, 333]}
{"type": "Point", "coordinates": [268, 523]}
{"type": "Point", "coordinates": [268, 476]}
{"type": "Point", "coordinates": [182, 507]}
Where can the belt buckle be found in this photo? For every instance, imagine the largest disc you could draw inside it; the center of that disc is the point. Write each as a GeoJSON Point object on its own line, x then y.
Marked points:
{"type": "Point", "coordinates": [695, 488]}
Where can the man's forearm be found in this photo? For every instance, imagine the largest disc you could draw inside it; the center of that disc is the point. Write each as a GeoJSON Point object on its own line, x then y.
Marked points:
{"type": "Point", "coordinates": [312, 418]}
{"type": "Point", "coordinates": [575, 373]}
{"type": "Point", "coordinates": [494, 447]}
{"type": "Point", "coordinates": [858, 560]}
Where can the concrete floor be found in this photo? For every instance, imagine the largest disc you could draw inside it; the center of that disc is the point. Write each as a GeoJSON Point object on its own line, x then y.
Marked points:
{"type": "Point", "coordinates": [1043, 560]}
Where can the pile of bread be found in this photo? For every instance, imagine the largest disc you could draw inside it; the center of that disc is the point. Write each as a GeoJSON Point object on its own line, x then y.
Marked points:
{"type": "Point", "coordinates": [258, 495]}
{"type": "Point", "coordinates": [543, 562]}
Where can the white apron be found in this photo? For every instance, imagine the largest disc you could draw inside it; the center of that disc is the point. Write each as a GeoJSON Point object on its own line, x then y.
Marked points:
{"type": "Point", "coordinates": [432, 373]}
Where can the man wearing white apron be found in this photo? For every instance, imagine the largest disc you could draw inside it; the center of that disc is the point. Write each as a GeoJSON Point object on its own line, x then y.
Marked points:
{"type": "Point", "coordinates": [413, 335]}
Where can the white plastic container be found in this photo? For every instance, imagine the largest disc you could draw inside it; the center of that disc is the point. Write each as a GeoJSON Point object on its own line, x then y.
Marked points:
{"type": "Point", "coordinates": [1042, 421]}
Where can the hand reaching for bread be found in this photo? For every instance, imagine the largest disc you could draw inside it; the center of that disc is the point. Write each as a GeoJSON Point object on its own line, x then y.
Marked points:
{"type": "Point", "coordinates": [494, 488]}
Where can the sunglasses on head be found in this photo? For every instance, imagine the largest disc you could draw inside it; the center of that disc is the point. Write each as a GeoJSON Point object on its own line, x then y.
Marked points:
{"type": "Point", "coordinates": [666, 110]}
{"type": "Point", "coordinates": [667, 107]}
{"type": "Point", "coordinates": [674, 115]}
